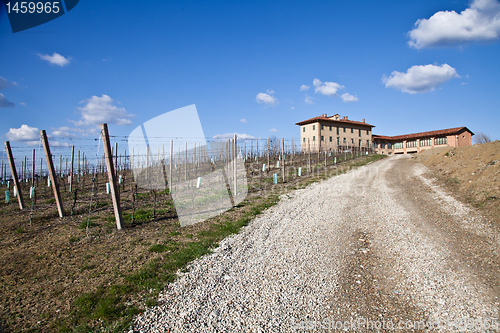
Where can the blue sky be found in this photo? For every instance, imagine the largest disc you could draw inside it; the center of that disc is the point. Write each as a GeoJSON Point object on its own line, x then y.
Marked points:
{"type": "Point", "coordinates": [243, 63]}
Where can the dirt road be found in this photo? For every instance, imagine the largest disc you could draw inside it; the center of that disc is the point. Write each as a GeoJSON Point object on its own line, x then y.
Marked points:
{"type": "Point", "coordinates": [381, 247]}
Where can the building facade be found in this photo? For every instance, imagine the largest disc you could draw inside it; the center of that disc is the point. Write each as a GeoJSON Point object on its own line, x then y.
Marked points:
{"type": "Point", "coordinates": [417, 142]}
{"type": "Point", "coordinates": [325, 133]}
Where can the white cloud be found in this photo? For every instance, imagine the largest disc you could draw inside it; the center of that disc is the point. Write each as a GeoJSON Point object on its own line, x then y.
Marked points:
{"type": "Point", "coordinates": [292, 108]}
{"type": "Point", "coordinates": [274, 130]}
{"type": "Point", "coordinates": [479, 23]}
{"type": "Point", "coordinates": [24, 133]}
{"type": "Point", "coordinates": [308, 99]}
{"type": "Point", "coordinates": [266, 99]}
{"type": "Point", "coordinates": [348, 98]}
{"type": "Point", "coordinates": [22, 103]}
{"type": "Point", "coordinates": [4, 83]}
{"type": "Point", "coordinates": [270, 91]}
{"type": "Point", "coordinates": [67, 131]}
{"type": "Point", "coordinates": [59, 144]}
{"type": "Point", "coordinates": [243, 120]}
{"type": "Point", "coordinates": [304, 87]}
{"type": "Point", "coordinates": [226, 136]}
{"type": "Point", "coordinates": [326, 88]}
{"type": "Point", "coordinates": [4, 103]}
{"type": "Point", "coordinates": [421, 78]}
{"type": "Point", "coordinates": [55, 59]}
{"type": "Point", "coordinates": [99, 110]}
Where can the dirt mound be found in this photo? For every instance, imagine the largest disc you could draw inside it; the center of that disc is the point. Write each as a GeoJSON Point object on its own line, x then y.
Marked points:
{"type": "Point", "coordinates": [473, 172]}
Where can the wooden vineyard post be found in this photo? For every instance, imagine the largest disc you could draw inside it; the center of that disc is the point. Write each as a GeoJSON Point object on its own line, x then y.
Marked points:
{"type": "Point", "coordinates": [235, 160]}
{"type": "Point", "coordinates": [170, 167]}
{"type": "Point", "coordinates": [78, 169]}
{"type": "Point", "coordinates": [52, 173]}
{"type": "Point", "coordinates": [268, 155]}
{"type": "Point", "coordinates": [111, 176]}
{"type": "Point", "coordinates": [72, 168]}
{"type": "Point", "coordinates": [116, 158]}
{"type": "Point", "coordinates": [283, 157]}
{"type": "Point", "coordinates": [14, 175]}
{"type": "Point", "coordinates": [33, 170]}
{"type": "Point", "coordinates": [257, 152]}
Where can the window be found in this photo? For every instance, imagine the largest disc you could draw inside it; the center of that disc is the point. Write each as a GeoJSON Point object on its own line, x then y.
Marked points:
{"type": "Point", "coordinates": [398, 145]}
{"type": "Point", "coordinates": [344, 129]}
{"type": "Point", "coordinates": [338, 141]}
{"type": "Point", "coordinates": [425, 142]}
{"type": "Point", "coordinates": [367, 132]}
{"type": "Point", "coordinates": [303, 128]}
{"type": "Point", "coordinates": [330, 128]}
{"type": "Point", "coordinates": [441, 141]}
{"type": "Point", "coordinates": [314, 127]}
{"type": "Point", "coordinates": [314, 138]}
{"type": "Point", "coordinates": [360, 133]}
{"type": "Point", "coordinates": [304, 140]}
{"type": "Point", "coordinates": [322, 138]}
{"type": "Point", "coordinates": [411, 144]}
{"type": "Point", "coordinates": [352, 130]}
{"type": "Point", "coordinates": [382, 145]}
{"type": "Point", "coordinates": [345, 141]}
{"type": "Point", "coordinates": [322, 127]}
{"type": "Point", "coordinates": [368, 143]}
{"type": "Point", "coordinates": [375, 145]}
{"type": "Point", "coordinates": [331, 139]}
{"type": "Point", "coordinates": [338, 128]}
{"type": "Point", "coordinates": [352, 141]}
{"type": "Point", "coordinates": [389, 145]}
{"type": "Point", "coordinates": [359, 142]}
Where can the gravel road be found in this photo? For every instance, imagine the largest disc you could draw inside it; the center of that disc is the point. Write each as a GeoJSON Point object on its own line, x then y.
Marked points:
{"type": "Point", "coordinates": [377, 248]}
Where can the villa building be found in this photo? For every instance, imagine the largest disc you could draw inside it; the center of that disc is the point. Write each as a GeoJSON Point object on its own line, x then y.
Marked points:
{"type": "Point", "coordinates": [325, 133]}
{"type": "Point", "coordinates": [329, 133]}
{"type": "Point", "coordinates": [417, 142]}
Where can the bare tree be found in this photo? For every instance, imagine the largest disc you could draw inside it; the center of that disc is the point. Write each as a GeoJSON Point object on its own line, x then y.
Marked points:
{"type": "Point", "coordinates": [481, 138]}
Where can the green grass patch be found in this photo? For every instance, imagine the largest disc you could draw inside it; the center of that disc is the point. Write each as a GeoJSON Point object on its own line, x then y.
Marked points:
{"type": "Point", "coordinates": [87, 267]}
{"type": "Point", "coordinates": [158, 248]}
{"type": "Point", "coordinates": [88, 220]}
{"type": "Point", "coordinates": [74, 239]}
{"type": "Point", "coordinates": [20, 231]}
{"type": "Point", "coordinates": [107, 306]}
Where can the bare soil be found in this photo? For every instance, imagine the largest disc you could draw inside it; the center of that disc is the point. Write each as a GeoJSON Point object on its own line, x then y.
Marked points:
{"type": "Point", "coordinates": [472, 173]}
{"type": "Point", "coordinates": [47, 262]}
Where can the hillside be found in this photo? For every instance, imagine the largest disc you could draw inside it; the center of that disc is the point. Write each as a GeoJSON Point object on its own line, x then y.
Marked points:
{"type": "Point", "coordinates": [471, 172]}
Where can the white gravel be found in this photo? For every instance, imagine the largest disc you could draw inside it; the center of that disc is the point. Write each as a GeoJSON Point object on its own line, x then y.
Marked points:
{"type": "Point", "coordinates": [285, 266]}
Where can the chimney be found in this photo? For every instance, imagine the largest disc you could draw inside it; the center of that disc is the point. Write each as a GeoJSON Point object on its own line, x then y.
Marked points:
{"type": "Point", "coordinates": [344, 117]}
{"type": "Point", "coordinates": [363, 119]}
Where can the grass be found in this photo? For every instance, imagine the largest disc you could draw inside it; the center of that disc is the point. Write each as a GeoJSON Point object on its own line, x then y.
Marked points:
{"type": "Point", "coordinates": [20, 231]}
{"type": "Point", "coordinates": [158, 248]}
{"type": "Point", "coordinates": [74, 239]}
{"type": "Point", "coordinates": [108, 304]}
{"type": "Point", "coordinates": [87, 267]}
{"type": "Point", "coordinates": [110, 307]}
{"type": "Point", "coordinates": [90, 220]}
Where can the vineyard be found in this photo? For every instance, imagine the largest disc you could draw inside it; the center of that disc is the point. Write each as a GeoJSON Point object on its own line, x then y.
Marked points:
{"type": "Point", "coordinates": [99, 236]}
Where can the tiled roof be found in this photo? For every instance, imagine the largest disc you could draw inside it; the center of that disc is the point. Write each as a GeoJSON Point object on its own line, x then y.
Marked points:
{"type": "Point", "coordinates": [449, 131]}
{"type": "Point", "coordinates": [327, 119]}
